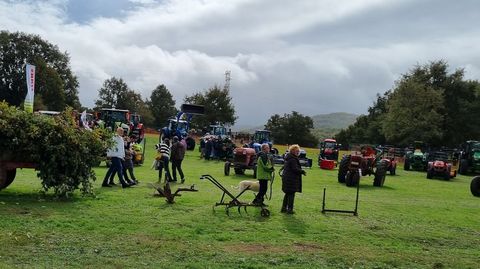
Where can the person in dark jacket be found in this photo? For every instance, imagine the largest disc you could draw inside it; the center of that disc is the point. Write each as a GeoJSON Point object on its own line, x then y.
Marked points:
{"type": "Point", "coordinates": [176, 157]}
{"type": "Point", "coordinates": [291, 178]}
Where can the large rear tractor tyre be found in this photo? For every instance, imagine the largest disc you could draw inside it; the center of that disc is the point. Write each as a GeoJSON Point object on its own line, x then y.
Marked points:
{"type": "Point", "coordinates": [463, 167]}
{"type": "Point", "coordinates": [226, 169]}
{"type": "Point", "coordinates": [352, 179]}
{"type": "Point", "coordinates": [7, 177]}
{"type": "Point", "coordinates": [239, 171]}
{"type": "Point", "coordinates": [475, 186]}
{"type": "Point", "coordinates": [406, 165]}
{"type": "Point", "coordinates": [446, 176]}
{"type": "Point", "coordinates": [393, 170]}
{"type": "Point", "coordinates": [190, 143]}
{"type": "Point", "coordinates": [380, 174]}
{"type": "Point", "coordinates": [343, 169]}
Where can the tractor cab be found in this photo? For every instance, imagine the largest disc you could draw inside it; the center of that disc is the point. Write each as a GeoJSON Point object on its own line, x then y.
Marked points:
{"type": "Point", "coordinates": [328, 157]}
{"type": "Point", "coordinates": [219, 131]}
{"type": "Point", "coordinates": [470, 157]}
{"type": "Point", "coordinates": [113, 118]}
{"type": "Point", "coordinates": [261, 137]}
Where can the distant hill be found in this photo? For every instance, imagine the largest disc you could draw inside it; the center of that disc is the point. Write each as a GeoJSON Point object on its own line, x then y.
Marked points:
{"type": "Point", "coordinates": [339, 120]}
{"type": "Point", "coordinates": [325, 125]}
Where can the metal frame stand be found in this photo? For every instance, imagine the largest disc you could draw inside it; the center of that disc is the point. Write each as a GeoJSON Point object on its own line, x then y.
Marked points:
{"type": "Point", "coordinates": [354, 212]}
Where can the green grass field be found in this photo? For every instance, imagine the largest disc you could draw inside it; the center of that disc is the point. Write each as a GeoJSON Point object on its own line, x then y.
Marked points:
{"type": "Point", "coordinates": [411, 222]}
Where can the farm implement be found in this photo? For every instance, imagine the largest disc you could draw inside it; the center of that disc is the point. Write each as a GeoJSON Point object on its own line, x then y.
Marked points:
{"type": "Point", "coordinates": [164, 190]}
{"type": "Point", "coordinates": [234, 199]}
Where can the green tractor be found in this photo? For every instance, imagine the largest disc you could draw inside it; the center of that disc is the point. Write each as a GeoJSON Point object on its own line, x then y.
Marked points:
{"type": "Point", "coordinates": [416, 158]}
{"type": "Point", "coordinates": [469, 158]}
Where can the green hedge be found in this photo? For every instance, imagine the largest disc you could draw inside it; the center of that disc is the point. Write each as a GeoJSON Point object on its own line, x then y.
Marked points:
{"type": "Point", "coordinates": [63, 152]}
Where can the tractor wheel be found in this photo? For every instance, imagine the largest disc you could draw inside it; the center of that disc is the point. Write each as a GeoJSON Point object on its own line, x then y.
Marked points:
{"type": "Point", "coordinates": [352, 179]}
{"type": "Point", "coordinates": [406, 165]}
{"type": "Point", "coordinates": [463, 167]}
{"type": "Point", "coordinates": [343, 169]}
{"type": "Point", "coordinates": [446, 176]}
{"type": "Point", "coordinates": [7, 177]}
{"type": "Point", "coordinates": [393, 170]}
{"type": "Point", "coordinates": [226, 169]}
{"type": "Point", "coordinates": [429, 174]}
{"type": "Point", "coordinates": [239, 171]}
{"type": "Point", "coordinates": [274, 151]}
{"type": "Point", "coordinates": [475, 186]}
{"type": "Point", "coordinates": [380, 173]}
{"type": "Point", "coordinates": [190, 143]}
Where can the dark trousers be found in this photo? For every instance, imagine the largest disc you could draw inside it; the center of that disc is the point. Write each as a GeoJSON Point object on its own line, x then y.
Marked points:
{"type": "Point", "coordinates": [115, 167]}
{"type": "Point", "coordinates": [177, 165]}
{"type": "Point", "coordinates": [288, 200]}
{"type": "Point", "coordinates": [128, 166]}
{"type": "Point", "coordinates": [263, 190]}
{"type": "Point", "coordinates": [164, 165]}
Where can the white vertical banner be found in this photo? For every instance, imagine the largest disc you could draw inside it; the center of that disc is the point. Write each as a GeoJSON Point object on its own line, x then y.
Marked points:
{"type": "Point", "coordinates": [28, 104]}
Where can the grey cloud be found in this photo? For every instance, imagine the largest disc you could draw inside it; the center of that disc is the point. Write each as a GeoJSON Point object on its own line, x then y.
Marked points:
{"type": "Point", "coordinates": [308, 56]}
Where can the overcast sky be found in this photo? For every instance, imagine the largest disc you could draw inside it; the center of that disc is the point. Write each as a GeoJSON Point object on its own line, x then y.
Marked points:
{"type": "Point", "coordinates": [311, 56]}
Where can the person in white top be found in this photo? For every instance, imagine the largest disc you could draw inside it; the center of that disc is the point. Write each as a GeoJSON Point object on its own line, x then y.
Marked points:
{"type": "Point", "coordinates": [117, 154]}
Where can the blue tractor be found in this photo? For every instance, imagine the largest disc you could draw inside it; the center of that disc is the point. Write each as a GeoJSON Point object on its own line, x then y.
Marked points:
{"type": "Point", "coordinates": [180, 125]}
{"type": "Point", "coordinates": [261, 137]}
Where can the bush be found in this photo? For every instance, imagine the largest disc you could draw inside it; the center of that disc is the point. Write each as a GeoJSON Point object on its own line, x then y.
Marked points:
{"type": "Point", "coordinates": [63, 152]}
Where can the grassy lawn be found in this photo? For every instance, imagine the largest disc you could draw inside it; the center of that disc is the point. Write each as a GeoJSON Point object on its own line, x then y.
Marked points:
{"type": "Point", "coordinates": [411, 222]}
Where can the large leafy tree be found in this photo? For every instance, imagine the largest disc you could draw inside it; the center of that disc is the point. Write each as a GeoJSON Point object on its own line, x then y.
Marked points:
{"type": "Point", "coordinates": [162, 105]}
{"type": "Point", "coordinates": [218, 107]}
{"type": "Point", "coordinates": [293, 128]}
{"type": "Point", "coordinates": [114, 93]}
{"type": "Point", "coordinates": [426, 104]}
{"type": "Point", "coordinates": [18, 49]}
{"type": "Point", "coordinates": [414, 112]}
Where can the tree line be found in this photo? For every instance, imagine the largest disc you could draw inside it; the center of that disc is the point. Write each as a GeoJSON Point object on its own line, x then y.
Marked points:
{"type": "Point", "coordinates": [56, 87]}
{"type": "Point", "coordinates": [427, 104]}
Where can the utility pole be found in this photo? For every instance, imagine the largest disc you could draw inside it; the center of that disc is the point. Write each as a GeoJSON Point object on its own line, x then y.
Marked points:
{"type": "Point", "coordinates": [227, 80]}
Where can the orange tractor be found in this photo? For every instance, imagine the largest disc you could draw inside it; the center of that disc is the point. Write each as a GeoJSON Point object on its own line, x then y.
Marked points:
{"type": "Point", "coordinates": [365, 162]}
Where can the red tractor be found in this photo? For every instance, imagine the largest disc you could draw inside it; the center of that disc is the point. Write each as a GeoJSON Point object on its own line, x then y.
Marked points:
{"type": "Point", "coordinates": [388, 157]}
{"type": "Point", "coordinates": [440, 166]}
{"type": "Point", "coordinates": [361, 163]}
{"type": "Point", "coordinates": [328, 157]}
{"type": "Point", "coordinates": [243, 158]}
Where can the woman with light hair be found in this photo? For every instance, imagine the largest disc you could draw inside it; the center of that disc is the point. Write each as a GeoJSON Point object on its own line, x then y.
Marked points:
{"type": "Point", "coordinates": [291, 178]}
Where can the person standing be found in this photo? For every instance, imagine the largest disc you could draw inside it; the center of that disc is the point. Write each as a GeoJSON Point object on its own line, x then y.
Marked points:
{"type": "Point", "coordinates": [178, 153]}
{"type": "Point", "coordinates": [116, 154]}
{"type": "Point", "coordinates": [128, 163]}
{"type": "Point", "coordinates": [291, 178]}
{"type": "Point", "coordinates": [163, 158]}
{"type": "Point", "coordinates": [264, 172]}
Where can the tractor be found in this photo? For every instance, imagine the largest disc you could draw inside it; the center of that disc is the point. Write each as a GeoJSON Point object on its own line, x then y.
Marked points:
{"type": "Point", "coordinates": [261, 137]}
{"type": "Point", "coordinates": [475, 186]}
{"type": "Point", "coordinates": [365, 162]}
{"type": "Point", "coordinates": [388, 156]}
{"type": "Point", "coordinates": [132, 125]}
{"type": "Point", "coordinates": [302, 158]}
{"type": "Point", "coordinates": [416, 158]}
{"type": "Point", "coordinates": [180, 127]}
{"type": "Point", "coordinates": [440, 165]}
{"type": "Point", "coordinates": [218, 144]}
{"type": "Point", "coordinates": [469, 158]}
{"type": "Point", "coordinates": [328, 157]}
{"type": "Point", "coordinates": [243, 158]}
